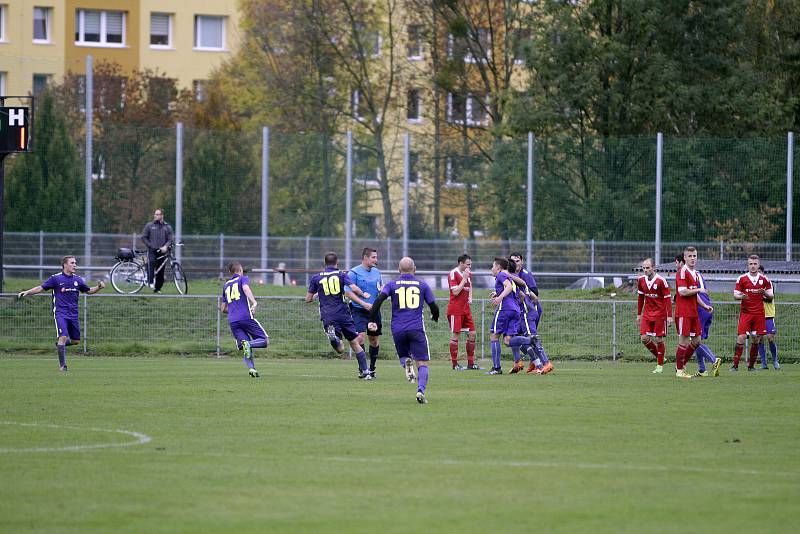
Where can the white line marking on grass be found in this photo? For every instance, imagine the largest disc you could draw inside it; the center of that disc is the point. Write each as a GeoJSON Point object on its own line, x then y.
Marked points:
{"type": "Point", "coordinates": [575, 465]}
{"type": "Point", "coordinates": [140, 439]}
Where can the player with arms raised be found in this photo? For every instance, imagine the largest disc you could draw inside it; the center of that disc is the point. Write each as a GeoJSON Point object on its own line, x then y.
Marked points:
{"type": "Point", "coordinates": [459, 314]}
{"type": "Point", "coordinates": [408, 329]}
{"type": "Point", "coordinates": [752, 289]}
{"type": "Point", "coordinates": [654, 311]}
{"type": "Point", "coordinates": [239, 304]}
{"type": "Point", "coordinates": [336, 320]}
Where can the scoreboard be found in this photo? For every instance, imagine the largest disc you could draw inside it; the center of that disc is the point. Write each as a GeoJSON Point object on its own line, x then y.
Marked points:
{"type": "Point", "coordinates": [15, 129]}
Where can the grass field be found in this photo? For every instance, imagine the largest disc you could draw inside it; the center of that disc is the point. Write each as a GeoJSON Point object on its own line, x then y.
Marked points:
{"type": "Point", "coordinates": [309, 448]}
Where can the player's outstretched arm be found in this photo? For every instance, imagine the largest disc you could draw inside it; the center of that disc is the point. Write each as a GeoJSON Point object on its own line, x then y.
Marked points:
{"type": "Point", "coordinates": [94, 289]}
{"type": "Point", "coordinates": [31, 291]}
{"type": "Point", "coordinates": [223, 307]}
{"type": "Point", "coordinates": [376, 308]}
{"type": "Point", "coordinates": [251, 299]}
{"type": "Point", "coordinates": [354, 297]}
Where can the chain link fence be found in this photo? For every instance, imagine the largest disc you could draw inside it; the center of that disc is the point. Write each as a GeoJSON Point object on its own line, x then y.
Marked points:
{"type": "Point", "coordinates": [192, 325]}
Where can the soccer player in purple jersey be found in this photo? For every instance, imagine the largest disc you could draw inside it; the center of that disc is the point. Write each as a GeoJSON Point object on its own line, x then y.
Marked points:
{"type": "Point", "coordinates": [329, 286]}
{"type": "Point", "coordinates": [66, 287]}
{"type": "Point", "coordinates": [530, 281]}
{"type": "Point", "coordinates": [528, 339]}
{"type": "Point", "coordinates": [506, 316]}
{"type": "Point", "coordinates": [408, 329]}
{"type": "Point", "coordinates": [239, 304]}
{"type": "Point", "coordinates": [705, 312]}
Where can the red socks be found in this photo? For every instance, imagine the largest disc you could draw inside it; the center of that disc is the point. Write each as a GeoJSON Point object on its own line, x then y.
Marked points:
{"type": "Point", "coordinates": [470, 352]}
{"type": "Point", "coordinates": [660, 353]}
{"type": "Point", "coordinates": [737, 355]}
{"type": "Point", "coordinates": [453, 351]}
{"type": "Point", "coordinates": [753, 353]}
{"type": "Point", "coordinates": [679, 355]}
{"type": "Point", "coordinates": [651, 347]}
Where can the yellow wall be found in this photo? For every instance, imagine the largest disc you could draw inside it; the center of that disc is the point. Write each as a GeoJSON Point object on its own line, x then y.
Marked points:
{"type": "Point", "coordinates": [20, 58]}
{"type": "Point", "coordinates": [182, 61]}
{"type": "Point", "coordinates": [127, 56]}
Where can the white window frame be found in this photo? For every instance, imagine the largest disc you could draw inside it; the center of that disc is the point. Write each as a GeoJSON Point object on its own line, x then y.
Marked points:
{"type": "Point", "coordinates": [199, 89]}
{"type": "Point", "coordinates": [414, 175]}
{"type": "Point", "coordinates": [103, 43]}
{"type": "Point", "coordinates": [48, 25]}
{"type": "Point", "coordinates": [468, 57]}
{"type": "Point", "coordinates": [198, 37]}
{"type": "Point", "coordinates": [420, 49]}
{"type": "Point", "coordinates": [355, 97]}
{"type": "Point", "coordinates": [168, 46]}
{"type": "Point", "coordinates": [418, 118]}
{"type": "Point", "coordinates": [470, 103]}
{"type": "Point", "coordinates": [47, 76]}
{"type": "Point", "coordinates": [448, 176]}
{"type": "Point", "coordinates": [374, 183]}
{"type": "Point", "coordinates": [3, 79]}
{"type": "Point", "coordinates": [3, 13]}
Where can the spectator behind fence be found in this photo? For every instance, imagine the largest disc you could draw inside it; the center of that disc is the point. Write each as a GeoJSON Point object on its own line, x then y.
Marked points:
{"type": "Point", "coordinates": [157, 237]}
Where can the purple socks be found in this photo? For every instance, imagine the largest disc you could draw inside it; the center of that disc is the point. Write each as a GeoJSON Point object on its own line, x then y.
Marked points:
{"type": "Point", "coordinates": [62, 355]}
{"type": "Point", "coordinates": [496, 354]}
{"type": "Point", "coordinates": [423, 378]}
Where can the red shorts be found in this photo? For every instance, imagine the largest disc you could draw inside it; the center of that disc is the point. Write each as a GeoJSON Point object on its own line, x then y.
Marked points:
{"type": "Point", "coordinates": [688, 326]}
{"type": "Point", "coordinates": [752, 324]}
{"type": "Point", "coordinates": [461, 323]}
{"type": "Point", "coordinates": [653, 327]}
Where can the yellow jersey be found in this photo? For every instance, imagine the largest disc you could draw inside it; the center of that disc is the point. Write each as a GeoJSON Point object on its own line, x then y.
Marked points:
{"type": "Point", "coordinates": [769, 307]}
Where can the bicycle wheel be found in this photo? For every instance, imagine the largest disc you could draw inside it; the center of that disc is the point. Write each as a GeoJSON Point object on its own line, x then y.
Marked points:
{"type": "Point", "coordinates": [128, 277]}
{"type": "Point", "coordinates": [179, 277]}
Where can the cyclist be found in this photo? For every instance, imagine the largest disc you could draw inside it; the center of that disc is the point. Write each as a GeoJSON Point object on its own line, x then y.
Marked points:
{"type": "Point", "coordinates": [157, 237]}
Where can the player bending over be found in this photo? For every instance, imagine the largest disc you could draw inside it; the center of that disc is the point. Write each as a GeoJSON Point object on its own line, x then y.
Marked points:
{"type": "Point", "coordinates": [752, 289]}
{"type": "Point", "coordinates": [654, 311]}
{"type": "Point", "coordinates": [239, 304]}
{"type": "Point", "coordinates": [336, 320]}
{"type": "Point", "coordinates": [408, 329]}
{"type": "Point", "coordinates": [66, 287]}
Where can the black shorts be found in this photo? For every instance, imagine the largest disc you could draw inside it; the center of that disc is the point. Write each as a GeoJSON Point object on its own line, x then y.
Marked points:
{"type": "Point", "coordinates": [361, 318]}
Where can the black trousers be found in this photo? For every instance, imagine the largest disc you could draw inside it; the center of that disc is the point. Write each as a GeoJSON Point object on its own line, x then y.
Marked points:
{"type": "Point", "coordinates": [154, 260]}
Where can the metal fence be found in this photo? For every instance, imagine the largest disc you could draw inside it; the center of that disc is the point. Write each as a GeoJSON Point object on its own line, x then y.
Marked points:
{"type": "Point", "coordinates": [192, 325]}
{"type": "Point", "coordinates": [209, 254]}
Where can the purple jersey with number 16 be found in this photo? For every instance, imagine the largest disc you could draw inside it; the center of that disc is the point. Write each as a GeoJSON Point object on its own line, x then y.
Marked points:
{"type": "Point", "coordinates": [408, 295]}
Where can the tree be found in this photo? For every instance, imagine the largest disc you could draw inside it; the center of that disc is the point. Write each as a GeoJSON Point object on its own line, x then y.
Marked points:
{"type": "Point", "coordinates": [44, 189]}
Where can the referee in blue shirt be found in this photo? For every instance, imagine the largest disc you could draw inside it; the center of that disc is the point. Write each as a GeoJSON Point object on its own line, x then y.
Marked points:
{"type": "Point", "coordinates": [368, 278]}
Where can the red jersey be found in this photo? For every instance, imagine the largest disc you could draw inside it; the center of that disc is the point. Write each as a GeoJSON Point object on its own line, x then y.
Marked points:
{"type": "Point", "coordinates": [685, 306]}
{"type": "Point", "coordinates": [655, 302]}
{"type": "Point", "coordinates": [753, 302]}
{"type": "Point", "coordinates": [459, 304]}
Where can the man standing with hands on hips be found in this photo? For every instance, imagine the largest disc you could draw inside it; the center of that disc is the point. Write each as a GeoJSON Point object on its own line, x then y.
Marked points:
{"type": "Point", "coordinates": [157, 237]}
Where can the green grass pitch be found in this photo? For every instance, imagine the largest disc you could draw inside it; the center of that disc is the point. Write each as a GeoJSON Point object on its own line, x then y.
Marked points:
{"type": "Point", "coordinates": [194, 445]}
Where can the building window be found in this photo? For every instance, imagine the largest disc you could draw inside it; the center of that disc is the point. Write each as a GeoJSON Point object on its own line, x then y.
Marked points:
{"type": "Point", "coordinates": [414, 168]}
{"type": "Point", "coordinates": [456, 168]}
{"type": "Point", "coordinates": [99, 28]}
{"type": "Point", "coordinates": [41, 24]}
{"type": "Point", "coordinates": [40, 83]}
{"type": "Point", "coordinates": [520, 41]}
{"type": "Point", "coordinates": [471, 108]}
{"type": "Point", "coordinates": [451, 225]}
{"type": "Point", "coordinates": [209, 32]}
{"type": "Point", "coordinates": [355, 108]}
{"type": "Point", "coordinates": [365, 167]}
{"type": "Point", "coordinates": [160, 30]}
{"type": "Point", "coordinates": [3, 76]}
{"type": "Point", "coordinates": [3, 23]}
{"type": "Point", "coordinates": [368, 42]}
{"type": "Point", "coordinates": [414, 45]}
{"type": "Point", "coordinates": [414, 105]}
{"type": "Point", "coordinates": [465, 46]}
{"type": "Point", "coordinates": [199, 89]}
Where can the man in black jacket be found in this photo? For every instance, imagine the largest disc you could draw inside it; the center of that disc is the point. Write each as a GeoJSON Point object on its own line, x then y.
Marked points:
{"type": "Point", "coordinates": [157, 237]}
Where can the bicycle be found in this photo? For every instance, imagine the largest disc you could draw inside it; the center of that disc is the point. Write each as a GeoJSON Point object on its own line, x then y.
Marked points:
{"type": "Point", "coordinates": [129, 274]}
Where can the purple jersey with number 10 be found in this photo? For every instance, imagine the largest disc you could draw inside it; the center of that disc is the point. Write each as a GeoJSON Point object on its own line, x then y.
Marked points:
{"type": "Point", "coordinates": [330, 286]}
{"type": "Point", "coordinates": [408, 294]}
{"type": "Point", "coordinates": [233, 295]}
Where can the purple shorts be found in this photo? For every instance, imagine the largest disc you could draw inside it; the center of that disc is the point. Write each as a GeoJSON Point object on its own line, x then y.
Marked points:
{"type": "Point", "coordinates": [247, 329]}
{"type": "Point", "coordinates": [344, 326]}
{"type": "Point", "coordinates": [527, 326]}
{"type": "Point", "coordinates": [68, 327]}
{"type": "Point", "coordinates": [413, 343]}
{"type": "Point", "coordinates": [771, 325]}
{"type": "Point", "coordinates": [505, 322]}
{"type": "Point", "coordinates": [705, 324]}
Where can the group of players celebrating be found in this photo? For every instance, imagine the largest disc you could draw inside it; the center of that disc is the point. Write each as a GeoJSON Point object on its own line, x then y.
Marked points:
{"type": "Point", "coordinates": [694, 315]}
{"type": "Point", "coordinates": [517, 313]}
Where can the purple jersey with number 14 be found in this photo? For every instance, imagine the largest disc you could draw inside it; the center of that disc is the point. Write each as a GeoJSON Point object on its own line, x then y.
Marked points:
{"type": "Point", "coordinates": [233, 295]}
{"type": "Point", "coordinates": [408, 294]}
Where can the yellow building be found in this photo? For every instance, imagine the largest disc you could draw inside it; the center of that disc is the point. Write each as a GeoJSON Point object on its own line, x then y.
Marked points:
{"type": "Point", "coordinates": [41, 40]}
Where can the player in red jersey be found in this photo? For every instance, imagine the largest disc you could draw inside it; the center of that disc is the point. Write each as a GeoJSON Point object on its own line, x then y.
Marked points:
{"type": "Point", "coordinates": [459, 315]}
{"type": "Point", "coordinates": [752, 288]}
{"type": "Point", "coordinates": [687, 321]}
{"type": "Point", "coordinates": [654, 313]}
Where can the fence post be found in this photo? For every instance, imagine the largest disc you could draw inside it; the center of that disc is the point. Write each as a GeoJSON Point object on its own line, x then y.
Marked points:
{"type": "Point", "coordinates": [614, 331]}
{"type": "Point", "coordinates": [219, 313]}
{"type": "Point", "coordinates": [406, 182]}
{"type": "Point", "coordinates": [221, 255]}
{"type": "Point", "coordinates": [721, 249]}
{"type": "Point", "coordinates": [264, 199]}
{"type": "Point", "coordinates": [591, 264]}
{"type": "Point", "coordinates": [133, 241]}
{"type": "Point", "coordinates": [789, 200]}
{"type": "Point", "coordinates": [85, 322]}
{"type": "Point", "coordinates": [178, 187]}
{"type": "Point", "coordinates": [466, 244]}
{"type": "Point", "coordinates": [348, 202]}
{"type": "Point", "coordinates": [87, 221]}
{"type": "Point", "coordinates": [483, 327]}
{"type": "Point", "coordinates": [529, 223]}
{"type": "Point", "coordinates": [41, 253]}
{"type": "Point", "coordinates": [659, 176]}
{"type": "Point", "coordinates": [308, 252]}
{"type": "Point", "coordinates": [389, 252]}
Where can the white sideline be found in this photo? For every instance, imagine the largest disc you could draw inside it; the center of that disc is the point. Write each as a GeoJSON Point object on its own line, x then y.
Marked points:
{"type": "Point", "coordinates": [140, 439]}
